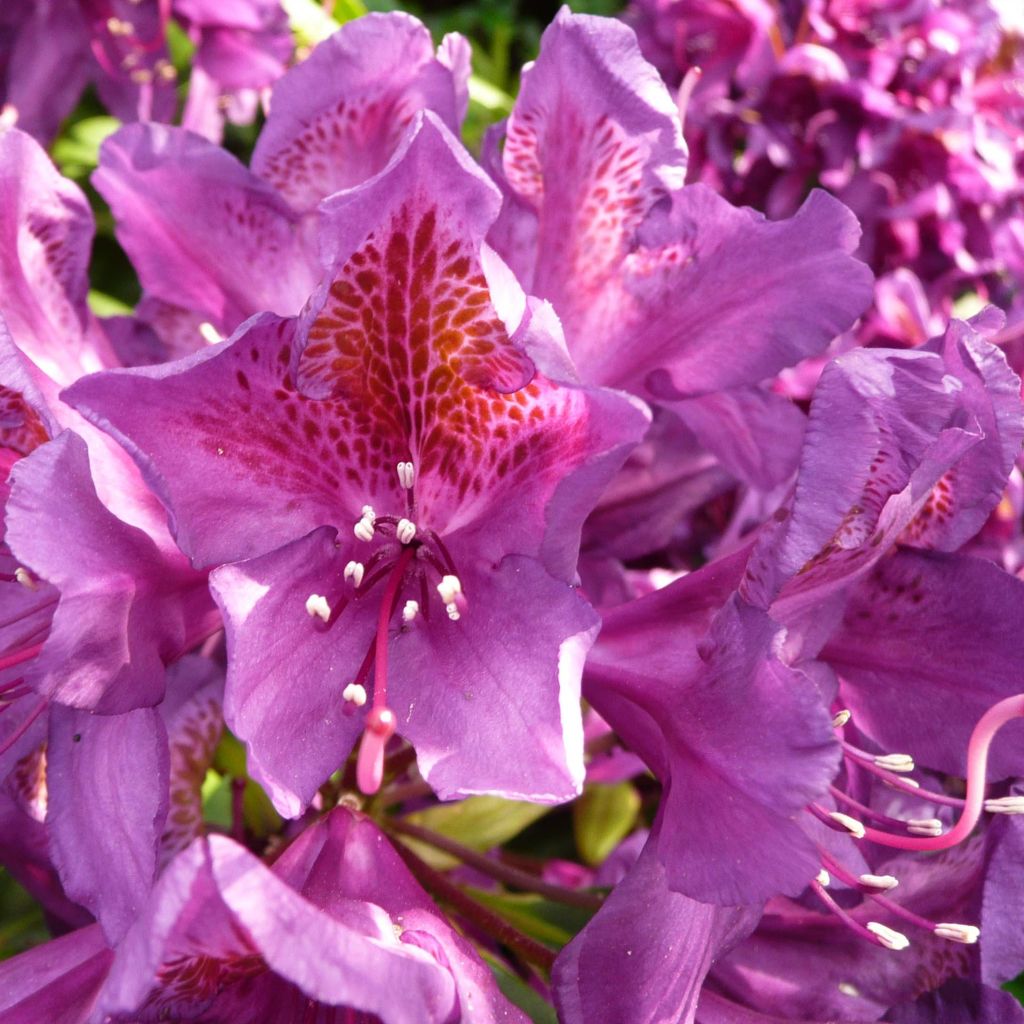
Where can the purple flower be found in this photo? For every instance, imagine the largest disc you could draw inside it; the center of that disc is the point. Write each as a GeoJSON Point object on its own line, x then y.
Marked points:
{"type": "Point", "coordinates": [50, 50]}
{"type": "Point", "coordinates": [419, 518]}
{"type": "Point", "coordinates": [337, 924]}
{"type": "Point", "coordinates": [214, 243]}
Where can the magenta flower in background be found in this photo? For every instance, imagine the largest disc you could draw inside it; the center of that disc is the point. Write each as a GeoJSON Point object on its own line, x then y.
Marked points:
{"type": "Point", "coordinates": [51, 49]}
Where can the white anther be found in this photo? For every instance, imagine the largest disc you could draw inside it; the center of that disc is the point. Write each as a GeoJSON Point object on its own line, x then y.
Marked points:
{"type": "Point", "coordinates": [1005, 805]}
{"type": "Point", "coordinates": [848, 990]}
{"type": "Point", "coordinates": [884, 882]}
{"type": "Point", "coordinates": [209, 333]}
{"type": "Point", "coordinates": [406, 530]}
{"type": "Point", "coordinates": [141, 77]}
{"type": "Point", "coordinates": [841, 718]}
{"type": "Point", "coordinates": [823, 878]}
{"type": "Point", "coordinates": [453, 611]}
{"type": "Point", "coordinates": [165, 69]}
{"type": "Point", "coordinates": [117, 27]}
{"type": "Point", "coordinates": [967, 934]}
{"type": "Point", "coordinates": [354, 693]}
{"type": "Point", "coordinates": [912, 783]}
{"type": "Point", "coordinates": [852, 825]}
{"type": "Point", "coordinates": [24, 577]}
{"type": "Point", "coordinates": [364, 528]}
{"type": "Point", "coordinates": [895, 762]}
{"type": "Point", "coordinates": [406, 475]}
{"type": "Point", "coordinates": [925, 827]}
{"type": "Point", "coordinates": [354, 572]}
{"type": "Point", "coordinates": [317, 607]}
{"type": "Point", "coordinates": [410, 611]}
{"type": "Point", "coordinates": [887, 936]}
{"type": "Point", "coordinates": [448, 588]}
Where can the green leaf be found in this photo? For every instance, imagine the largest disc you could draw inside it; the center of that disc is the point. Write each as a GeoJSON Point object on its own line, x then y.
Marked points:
{"type": "Point", "coordinates": [1016, 988]}
{"type": "Point", "coordinates": [22, 925]}
{"type": "Point", "coordinates": [106, 305]}
{"type": "Point", "coordinates": [551, 923]}
{"type": "Point", "coordinates": [603, 817]}
{"type": "Point", "coordinates": [517, 991]}
{"type": "Point", "coordinates": [311, 23]}
{"type": "Point", "coordinates": [229, 760]}
{"type": "Point", "coordinates": [77, 150]}
{"type": "Point", "coordinates": [480, 822]}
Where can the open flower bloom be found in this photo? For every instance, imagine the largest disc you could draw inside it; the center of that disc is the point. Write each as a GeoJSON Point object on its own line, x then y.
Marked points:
{"type": "Point", "coordinates": [404, 543]}
{"type": "Point", "coordinates": [214, 242]}
{"type": "Point", "coordinates": [664, 290]}
{"type": "Point", "coordinates": [733, 712]}
{"type": "Point", "coordinates": [335, 930]}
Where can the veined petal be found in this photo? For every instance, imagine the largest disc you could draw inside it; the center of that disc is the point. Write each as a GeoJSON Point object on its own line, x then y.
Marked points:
{"type": "Point", "coordinates": [506, 675]}
{"type": "Point", "coordinates": [46, 230]}
{"type": "Point", "coordinates": [124, 605]}
{"type": "Point", "coordinates": [283, 695]}
{"type": "Point", "coordinates": [107, 783]}
{"type": "Point", "coordinates": [202, 231]}
{"type": "Point", "coordinates": [336, 119]}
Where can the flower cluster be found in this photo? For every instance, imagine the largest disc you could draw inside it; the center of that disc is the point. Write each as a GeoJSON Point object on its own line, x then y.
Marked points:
{"type": "Point", "coordinates": [424, 493]}
{"type": "Point", "coordinates": [911, 113]}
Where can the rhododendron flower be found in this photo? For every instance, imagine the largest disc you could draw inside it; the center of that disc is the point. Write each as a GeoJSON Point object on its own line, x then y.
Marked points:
{"type": "Point", "coordinates": [214, 242]}
{"type": "Point", "coordinates": [404, 543]}
{"type": "Point", "coordinates": [336, 929]}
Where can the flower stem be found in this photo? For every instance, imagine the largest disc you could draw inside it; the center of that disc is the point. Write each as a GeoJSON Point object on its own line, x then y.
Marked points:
{"type": "Point", "coordinates": [497, 869]}
{"type": "Point", "coordinates": [485, 919]}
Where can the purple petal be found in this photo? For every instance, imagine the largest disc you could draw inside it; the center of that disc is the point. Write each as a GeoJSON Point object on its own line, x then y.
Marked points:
{"type": "Point", "coordinates": [283, 695]}
{"type": "Point", "coordinates": [345, 857]}
{"type": "Point", "coordinates": [56, 982]}
{"type": "Point", "coordinates": [107, 783]}
{"type": "Point", "coordinates": [336, 119]}
{"type": "Point", "coordinates": [961, 1000]}
{"type": "Point", "coordinates": [504, 676]}
{"type": "Point", "coordinates": [593, 143]}
{"type": "Point", "coordinates": [46, 230]}
{"type": "Point", "coordinates": [927, 645]}
{"type": "Point", "coordinates": [644, 955]}
{"type": "Point", "coordinates": [201, 230]}
{"type": "Point", "coordinates": [229, 419]}
{"type": "Point", "coordinates": [683, 702]}
{"type": "Point", "coordinates": [124, 607]}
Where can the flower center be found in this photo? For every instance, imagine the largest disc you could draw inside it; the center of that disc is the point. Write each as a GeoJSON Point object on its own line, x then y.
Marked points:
{"type": "Point", "coordinates": [409, 556]}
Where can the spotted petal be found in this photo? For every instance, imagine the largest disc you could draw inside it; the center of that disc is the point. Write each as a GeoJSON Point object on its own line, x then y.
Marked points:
{"type": "Point", "coordinates": [202, 231]}
{"type": "Point", "coordinates": [336, 119]}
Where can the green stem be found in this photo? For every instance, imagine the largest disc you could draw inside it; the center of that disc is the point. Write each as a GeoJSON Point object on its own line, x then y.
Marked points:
{"type": "Point", "coordinates": [497, 869]}
{"type": "Point", "coordinates": [485, 919]}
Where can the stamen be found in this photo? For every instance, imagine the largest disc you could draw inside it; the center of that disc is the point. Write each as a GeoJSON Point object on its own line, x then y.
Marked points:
{"type": "Point", "coordinates": [824, 878]}
{"type": "Point", "coordinates": [448, 588]}
{"type": "Point", "coordinates": [24, 577]}
{"type": "Point", "coordinates": [406, 475]}
{"type": "Point", "coordinates": [406, 531]}
{"type": "Point", "coordinates": [207, 331]}
{"type": "Point", "coordinates": [887, 936]}
{"type": "Point", "coordinates": [895, 762]}
{"type": "Point", "coordinates": [968, 934]}
{"type": "Point", "coordinates": [883, 882]}
{"type": "Point", "coordinates": [364, 528]}
{"type": "Point", "coordinates": [318, 608]}
{"type": "Point", "coordinates": [841, 718]}
{"type": "Point", "coordinates": [1005, 805]}
{"type": "Point", "coordinates": [852, 825]}
{"type": "Point", "coordinates": [410, 611]}
{"type": "Point", "coordinates": [854, 925]}
{"type": "Point", "coordinates": [453, 611]}
{"type": "Point", "coordinates": [354, 693]}
{"type": "Point", "coordinates": [924, 827]}
{"type": "Point", "coordinates": [977, 761]}
{"type": "Point", "coordinates": [354, 571]}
